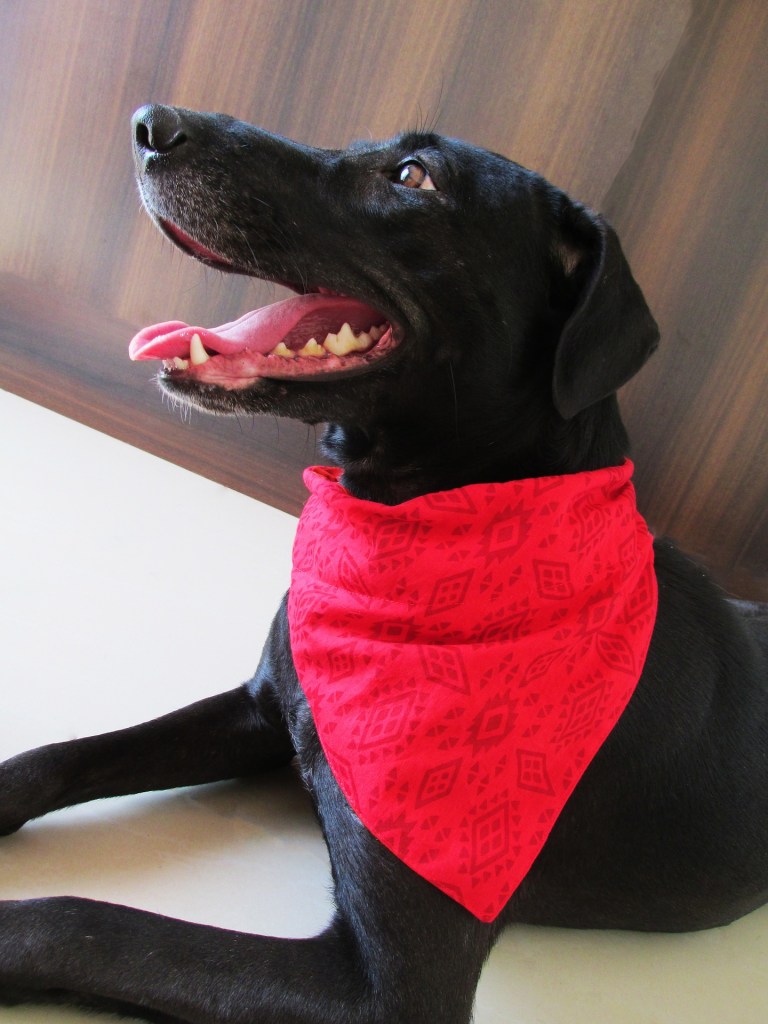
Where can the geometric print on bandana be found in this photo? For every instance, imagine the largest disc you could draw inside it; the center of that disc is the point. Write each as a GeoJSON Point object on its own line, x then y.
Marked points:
{"type": "Point", "coordinates": [465, 655]}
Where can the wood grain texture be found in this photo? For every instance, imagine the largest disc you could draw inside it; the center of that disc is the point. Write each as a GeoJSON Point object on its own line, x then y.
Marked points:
{"type": "Point", "coordinates": [651, 110]}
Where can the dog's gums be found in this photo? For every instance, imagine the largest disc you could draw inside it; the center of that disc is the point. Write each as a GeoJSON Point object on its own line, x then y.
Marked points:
{"type": "Point", "coordinates": [300, 337]}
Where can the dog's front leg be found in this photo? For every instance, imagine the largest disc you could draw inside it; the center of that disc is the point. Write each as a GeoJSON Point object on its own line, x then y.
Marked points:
{"type": "Point", "coordinates": [397, 951]}
{"type": "Point", "coordinates": [217, 738]}
{"type": "Point", "coordinates": [113, 958]}
{"type": "Point", "coordinates": [233, 734]}
{"type": "Point", "coordinates": [82, 952]}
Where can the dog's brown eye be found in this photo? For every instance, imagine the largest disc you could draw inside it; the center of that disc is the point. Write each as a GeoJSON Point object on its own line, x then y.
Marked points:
{"type": "Point", "coordinates": [414, 175]}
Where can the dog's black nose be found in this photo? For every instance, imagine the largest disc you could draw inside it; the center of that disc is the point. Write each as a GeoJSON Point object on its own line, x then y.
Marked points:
{"type": "Point", "coordinates": [157, 129]}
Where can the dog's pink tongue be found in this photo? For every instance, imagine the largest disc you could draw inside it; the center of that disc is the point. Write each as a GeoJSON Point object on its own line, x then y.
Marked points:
{"type": "Point", "coordinates": [299, 318]}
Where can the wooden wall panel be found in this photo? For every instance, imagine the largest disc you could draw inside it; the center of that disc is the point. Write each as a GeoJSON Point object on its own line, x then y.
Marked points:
{"type": "Point", "coordinates": [692, 207]}
{"type": "Point", "coordinates": [652, 110]}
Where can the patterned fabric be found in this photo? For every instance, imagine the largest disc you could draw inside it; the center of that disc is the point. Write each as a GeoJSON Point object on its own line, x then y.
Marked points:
{"type": "Point", "coordinates": [465, 654]}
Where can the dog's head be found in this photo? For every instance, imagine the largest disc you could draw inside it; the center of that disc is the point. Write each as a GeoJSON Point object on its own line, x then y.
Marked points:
{"type": "Point", "coordinates": [479, 300]}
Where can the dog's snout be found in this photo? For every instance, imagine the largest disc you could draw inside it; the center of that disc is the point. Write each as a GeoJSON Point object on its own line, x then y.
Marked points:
{"type": "Point", "coordinates": [157, 129]}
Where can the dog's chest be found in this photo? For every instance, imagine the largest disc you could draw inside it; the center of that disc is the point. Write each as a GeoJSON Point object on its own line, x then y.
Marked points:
{"type": "Point", "coordinates": [464, 656]}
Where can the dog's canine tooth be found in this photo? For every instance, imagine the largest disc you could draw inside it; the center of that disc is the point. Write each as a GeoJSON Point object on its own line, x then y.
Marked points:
{"type": "Point", "coordinates": [312, 349]}
{"type": "Point", "coordinates": [197, 353]}
{"type": "Point", "coordinates": [179, 363]}
{"type": "Point", "coordinates": [281, 349]}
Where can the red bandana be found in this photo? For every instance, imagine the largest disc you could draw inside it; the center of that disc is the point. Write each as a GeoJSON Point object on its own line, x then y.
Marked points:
{"type": "Point", "coordinates": [465, 654]}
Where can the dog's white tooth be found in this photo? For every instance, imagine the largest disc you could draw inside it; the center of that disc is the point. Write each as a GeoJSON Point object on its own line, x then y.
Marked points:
{"type": "Point", "coordinates": [197, 353]}
{"type": "Point", "coordinates": [342, 343]}
{"type": "Point", "coordinates": [347, 341]}
{"type": "Point", "coordinates": [376, 333]}
{"type": "Point", "coordinates": [281, 349]}
{"type": "Point", "coordinates": [179, 363]}
{"type": "Point", "coordinates": [312, 349]}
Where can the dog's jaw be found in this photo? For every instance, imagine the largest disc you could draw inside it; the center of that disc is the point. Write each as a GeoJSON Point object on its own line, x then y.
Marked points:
{"type": "Point", "coordinates": [314, 334]}
{"type": "Point", "coordinates": [247, 368]}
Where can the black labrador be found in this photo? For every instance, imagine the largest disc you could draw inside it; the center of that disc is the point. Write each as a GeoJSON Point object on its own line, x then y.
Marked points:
{"type": "Point", "coordinates": [509, 317]}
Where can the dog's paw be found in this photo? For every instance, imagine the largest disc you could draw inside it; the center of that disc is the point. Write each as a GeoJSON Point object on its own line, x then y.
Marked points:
{"type": "Point", "coordinates": [16, 939]}
{"type": "Point", "coordinates": [8, 830]}
{"type": "Point", "coordinates": [24, 790]}
{"type": "Point", "coordinates": [11, 801]}
{"type": "Point", "coordinates": [33, 933]}
{"type": "Point", "coordinates": [10, 995]}
{"type": "Point", "coordinates": [9, 822]}
{"type": "Point", "coordinates": [46, 952]}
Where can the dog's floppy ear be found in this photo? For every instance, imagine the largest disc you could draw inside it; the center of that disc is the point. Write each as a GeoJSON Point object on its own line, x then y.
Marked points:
{"type": "Point", "coordinates": [610, 331]}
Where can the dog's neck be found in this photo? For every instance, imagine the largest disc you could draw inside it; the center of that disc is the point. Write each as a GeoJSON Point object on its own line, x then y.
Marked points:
{"type": "Point", "coordinates": [388, 466]}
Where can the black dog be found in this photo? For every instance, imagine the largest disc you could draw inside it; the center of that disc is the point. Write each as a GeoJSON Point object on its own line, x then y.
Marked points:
{"type": "Point", "coordinates": [508, 318]}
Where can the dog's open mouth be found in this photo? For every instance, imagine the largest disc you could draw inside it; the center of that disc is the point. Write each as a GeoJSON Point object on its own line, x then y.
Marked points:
{"type": "Point", "coordinates": [300, 338]}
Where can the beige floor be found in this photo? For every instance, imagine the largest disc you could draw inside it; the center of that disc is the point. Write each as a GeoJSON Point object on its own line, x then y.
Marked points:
{"type": "Point", "coordinates": [131, 587]}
